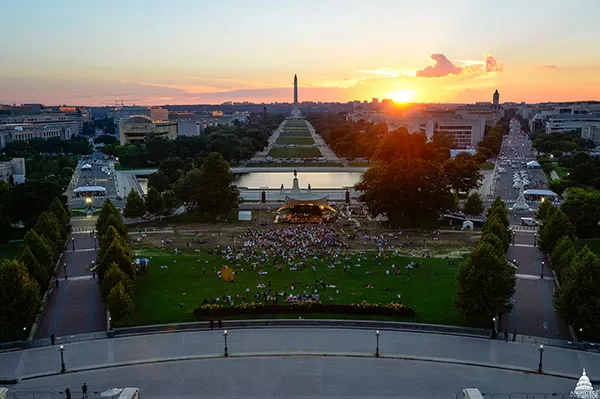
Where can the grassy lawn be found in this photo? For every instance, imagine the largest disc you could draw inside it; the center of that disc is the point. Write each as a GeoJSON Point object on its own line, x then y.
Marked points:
{"type": "Point", "coordinates": [295, 133]}
{"type": "Point", "coordinates": [560, 171]}
{"type": "Point", "coordinates": [82, 212]}
{"type": "Point", "coordinates": [9, 250]}
{"type": "Point", "coordinates": [487, 166]}
{"type": "Point", "coordinates": [295, 152]}
{"type": "Point", "coordinates": [191, 277]}
{"type": "Point", "coordinates": [298, 140]}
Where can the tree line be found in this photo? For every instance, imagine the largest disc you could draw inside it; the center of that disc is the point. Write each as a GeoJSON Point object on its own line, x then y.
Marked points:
{"type": "Point", "coordinates": [24, 280]}
{"type": "Point", "coordinates": [76, 146]}
{"type": "Point", "coordinates": [203, 185]}
{"type": "Point", "coordinates": [486, 281]}
{"type": "Point", "coordinates": [234, 143]}
{"type": "Point", "coordinates": [115, 269]}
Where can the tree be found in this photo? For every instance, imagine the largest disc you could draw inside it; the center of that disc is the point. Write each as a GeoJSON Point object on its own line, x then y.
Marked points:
{"type": "Point", "coordinates": [113, 276]}
{"type": "Point", "coordinates": [562, 255]}
{"type": "Point", "coordinates": [473, 205]}
{"type": "Point", "coordinates": [155, 202]}
{"type": "Point", "coordinates": [577, 299]}
{"type": "Point", "coordinates": [116, 253]}
{"type": "Point", "coordinates": [115, 222]}
{"type": "Point", "coordinates": [63, 217]}
{"type": "Point", "coordinates": [544, 210]}
{"type": "Point", "coordinates": [409, 191]}
{"type": "Point", "coordinates": [582, 206]}
{"type": "Point", "coordinates": [557, 225]}
{"type": "Point", "coordinates": [495, 241]}
{"type": "Point", "coordinates": [209, 189]}
{"type": "Point", "coordinates": [135, 206]}
{"type": "Point", "coordinates": [463, 174]}
{"type": "Point", "coordinates": [35, 270]}
{"type": "Point", "coordinates": [498, 208]}
{"type": "Point", "coordinates": [19, 297]}
{"type": "Point", "coordinates": [40, 249]}
{"type": "Point", "coordinates": [486, 282]}
{"type": "Point", "coordinates": [111, 234]}
{"type": "Point", "coordinates": [48, 227]}
{"type": "Point", "coordinates": [493, 225]}
{"type": "Point", "coordinates": [107, 210]}
{"type": "Point", "coordinates": [119, 303]}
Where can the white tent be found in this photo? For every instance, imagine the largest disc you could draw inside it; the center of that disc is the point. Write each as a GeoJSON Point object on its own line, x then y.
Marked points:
{"type": "Point", "coordinates": [533, 164]}
{"type": "Point", "coordinates": [86, 166]}
{"type": "Point", "coordinates": [467, 225]}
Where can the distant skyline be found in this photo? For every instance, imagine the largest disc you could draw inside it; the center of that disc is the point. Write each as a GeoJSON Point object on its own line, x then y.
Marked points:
{"type": "Point", "coordinates": [150, 52]}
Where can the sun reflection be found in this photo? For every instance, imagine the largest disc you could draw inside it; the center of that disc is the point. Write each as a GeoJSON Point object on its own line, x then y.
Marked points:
{"type": "Point", "coordinates": [402, 96]}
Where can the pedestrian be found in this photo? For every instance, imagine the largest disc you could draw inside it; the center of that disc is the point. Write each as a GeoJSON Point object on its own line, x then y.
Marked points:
{"type": "Point", "coordinates": [52, 338]}
{"type": "Point", "coordinates": [84, 390]}
{"type": "Point", "coordinates": [220, 324]}
{"type": "Point", "coordinates": [212, 324]}
{"type": "Point", "coordinates": [68, 393]}
{"type": "Point", "coordinates": [65, 277]}
{"type": "Point", "coordinates": [514, 335]}
{"type": "Point", "coordinates": [56, 282]}
{"type": "Point", "coordinates": [505, 335]}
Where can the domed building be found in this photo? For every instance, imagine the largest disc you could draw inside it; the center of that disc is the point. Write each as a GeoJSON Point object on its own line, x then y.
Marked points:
{"type": "Point", "coordinates": [584, 388]}
{"type": "Point", "coordinates": [137, 128]}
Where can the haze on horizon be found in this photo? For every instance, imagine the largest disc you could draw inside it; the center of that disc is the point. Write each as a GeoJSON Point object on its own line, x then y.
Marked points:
{"type": "Point", "coordinates": [188, 52]}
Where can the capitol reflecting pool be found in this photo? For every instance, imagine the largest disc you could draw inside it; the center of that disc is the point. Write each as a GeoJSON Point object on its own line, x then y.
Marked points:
{"type": "Point", "coordinates": [315, 179]}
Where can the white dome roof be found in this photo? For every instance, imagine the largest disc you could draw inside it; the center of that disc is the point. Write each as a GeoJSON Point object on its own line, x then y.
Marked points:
{"type": "Point", "coordinates": [584, 388]}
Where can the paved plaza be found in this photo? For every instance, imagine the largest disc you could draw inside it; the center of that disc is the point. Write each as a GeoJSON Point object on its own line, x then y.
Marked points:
{"type": "Point", "coordinates": [289, 362]}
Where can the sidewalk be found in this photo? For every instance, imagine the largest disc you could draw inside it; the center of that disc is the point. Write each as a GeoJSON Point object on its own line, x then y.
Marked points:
{"type": "Point", "coordinates": [312, 341]}
{"type": "Point", "coordinates": [75, 306]}
{"type": "Point", "coordinates": [533, 310]}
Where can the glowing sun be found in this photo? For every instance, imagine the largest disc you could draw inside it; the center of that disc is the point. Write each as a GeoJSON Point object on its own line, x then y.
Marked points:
{"type": "Point", "coordinates": [402, 96]}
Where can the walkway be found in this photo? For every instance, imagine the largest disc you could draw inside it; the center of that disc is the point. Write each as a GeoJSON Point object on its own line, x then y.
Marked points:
{"type": "Point", "coordinates": [437, 348]}
{"type": "Point", "coordinates": [75, 306]}
{"type": "Point", "coordinates": [533, 312]}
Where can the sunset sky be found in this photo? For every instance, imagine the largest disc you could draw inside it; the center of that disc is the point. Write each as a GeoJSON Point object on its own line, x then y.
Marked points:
{"type": "Point", "coordinates": [190, 52]}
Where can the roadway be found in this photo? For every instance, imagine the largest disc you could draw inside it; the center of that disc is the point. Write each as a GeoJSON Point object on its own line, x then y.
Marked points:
{"type": "Point", "coordinates": [93, 177]}
{"type": "Point", "coordinates": [291, 362]}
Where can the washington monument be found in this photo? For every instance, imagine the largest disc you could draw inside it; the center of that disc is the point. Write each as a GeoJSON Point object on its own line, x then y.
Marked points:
{"type": "Point", "coordinates": [295, 89]}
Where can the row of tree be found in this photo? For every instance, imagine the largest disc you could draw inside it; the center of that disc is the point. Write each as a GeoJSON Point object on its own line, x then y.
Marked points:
{"type": "Point", "coordinates": [234, 143]}
{"type": "Point", "coordinates": [115, 269]}
{"type": "Point", "coordinates": [24, 280]}
{"type": "Point", "coordinates": [76, 146]}
{"type": "Point", "coordinates": [577, 299]}
{"type": "Point", "coordinates": [486, 281]}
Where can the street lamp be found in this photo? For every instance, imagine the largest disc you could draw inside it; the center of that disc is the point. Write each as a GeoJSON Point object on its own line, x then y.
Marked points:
{"type": "Point", "coordinates": [542, 273]}
{"type": "Point", "coordinates": [495, 321]}
{"type": "Point", "coordinates": [377, 347]}
{"type": "Point", "coordinates": [541, 354]}
{"type": "Point", "coordinates": [225, 353]}
{"type": "Point", "coordinates": [62, 359]}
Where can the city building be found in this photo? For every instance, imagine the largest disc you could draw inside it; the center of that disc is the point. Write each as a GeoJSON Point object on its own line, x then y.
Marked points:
{"type": "Point", "coordinates": [571, 123]}
{"type": "Point", "coordinates": [15, 168]}
{"type": "Point", "coordinates": [138, 128]}
{"type": "Point", "coordinates": [41, 126]}
{"type": "Point", "coordinates": [496, 99]}
{"type": "Point", "coordinates": [189, 128]}
{"type": "Point", "coordinates": [123, 113]}
{"type": "Point", "coordinates": [159, 114]}
{"type": "Point", "coordinates": [591, 132]}
{"type": "Point", "coordinates": [467, 133]}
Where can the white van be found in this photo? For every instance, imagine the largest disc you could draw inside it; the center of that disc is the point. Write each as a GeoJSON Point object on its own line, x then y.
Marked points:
{"type": "Point", "coordinates": [529, 222]}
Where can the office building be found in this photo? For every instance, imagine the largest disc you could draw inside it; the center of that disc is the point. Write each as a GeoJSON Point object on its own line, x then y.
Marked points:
{"type": "Point", "coordinates": [123, 113]}
{"type": "Point", "coordinates": [137, 129]}
{"type": "Point", "coordinates": [570, 123]}
{"type": "Point", "coordinates": [15, 168]}
{"type": "Point", "coordinates": [591, 132]}
{"type": "Point", "coordinates": [159, 114]}
{"type": "Point", "coordinates": [40, 126]}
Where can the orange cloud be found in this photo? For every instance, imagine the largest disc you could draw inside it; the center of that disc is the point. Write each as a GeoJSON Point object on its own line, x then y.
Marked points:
{"type": "Point", "coordinates": [444, 67]}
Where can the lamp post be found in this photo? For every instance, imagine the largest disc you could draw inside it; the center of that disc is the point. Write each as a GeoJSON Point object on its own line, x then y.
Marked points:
{"type": "Point", "coordinates": [534, 239]}
{"type": "Point", "coordinates": [62, 359]}
{"type": "Point", "coordinates": [542, 273]}
{"type": "Point", "coordinates": [495, 328]}
{"type": "Point", "coordinates": [541, 354]}
{"type": "Point", "coordinates": [225, 353]}
{"type": "Point", "coordinates": [377, 347]}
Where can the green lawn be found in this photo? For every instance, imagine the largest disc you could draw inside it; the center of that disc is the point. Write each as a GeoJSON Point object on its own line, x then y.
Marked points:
{"type": "Point", "coordinates": [295, 152]}
{"type": "Point", "coordinates": [487, 166]}
{"type": "Point", "coordinates": [560, 171]}
{"type": "Point", "coordinates": [9, 250]}
{"type": "Point", "coordinates": [295, 133]}
{"type": "Point", "coordinates": [298, 140]}
{"type": "Point", "coordinates": [190, 277]}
